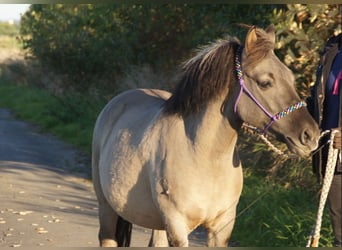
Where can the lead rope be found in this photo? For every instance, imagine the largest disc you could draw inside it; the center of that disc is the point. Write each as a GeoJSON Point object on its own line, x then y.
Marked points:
{"type": "Point", "coordinates": [329, 173]}
{"type": "Point", "coordinates": [247, 128]}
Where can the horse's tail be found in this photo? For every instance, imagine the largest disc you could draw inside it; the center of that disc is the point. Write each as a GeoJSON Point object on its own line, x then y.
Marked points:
{"type": "Point", "coordinates": [123, 232]}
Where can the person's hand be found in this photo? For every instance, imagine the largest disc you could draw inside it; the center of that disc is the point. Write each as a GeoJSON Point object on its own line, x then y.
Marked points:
{"type": "Point", "coordinates": [337, 139]}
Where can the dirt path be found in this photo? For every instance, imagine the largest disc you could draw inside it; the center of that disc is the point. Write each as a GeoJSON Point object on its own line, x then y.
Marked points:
{"type": "Point", "coordinates": [46, 198]}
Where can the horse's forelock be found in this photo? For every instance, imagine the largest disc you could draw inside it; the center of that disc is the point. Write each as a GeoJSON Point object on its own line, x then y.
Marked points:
{"type": "Point", "coordinates": [203, 78]}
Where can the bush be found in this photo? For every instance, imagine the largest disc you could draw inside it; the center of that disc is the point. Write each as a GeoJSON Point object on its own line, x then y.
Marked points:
{"type": "Point", "coordinates": [302, 32]}
{"type": "Point", "coordinates": [93, 42]}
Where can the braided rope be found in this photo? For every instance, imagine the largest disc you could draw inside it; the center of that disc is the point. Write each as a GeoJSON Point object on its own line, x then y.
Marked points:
{"type": "Point", "coordinates": [247, 128]}
{"type": "Point", "coordinates": [329, 173]}
{"type": "Point", "coordinates": [290, 109]}
{"type": "Point", "coordinates": [273, 147]}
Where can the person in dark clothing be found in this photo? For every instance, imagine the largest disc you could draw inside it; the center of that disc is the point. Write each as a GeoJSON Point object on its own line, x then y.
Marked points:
{"type": "Point", "coordinates": [325, 105]}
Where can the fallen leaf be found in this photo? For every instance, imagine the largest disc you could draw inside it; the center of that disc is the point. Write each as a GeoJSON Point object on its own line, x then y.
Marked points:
{"type": "Point", "coordinates": [43, 232]}
{"type": "Point", "coordinates": [15, 245]}
{"type": "Point", "coordinates": [24, 212]}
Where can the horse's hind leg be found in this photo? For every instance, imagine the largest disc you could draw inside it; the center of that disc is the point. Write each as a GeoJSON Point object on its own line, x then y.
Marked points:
{"type": "Point", "coordinates": [114, 230]}
{"type": "Point", "coordinates": [107, 216]}
{"type": "Point", "coordinates": [108, 221]}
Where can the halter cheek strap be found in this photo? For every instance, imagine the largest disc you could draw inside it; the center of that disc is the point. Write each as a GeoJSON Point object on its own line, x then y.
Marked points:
{"type": "Point", "coordinates": [243, 88]}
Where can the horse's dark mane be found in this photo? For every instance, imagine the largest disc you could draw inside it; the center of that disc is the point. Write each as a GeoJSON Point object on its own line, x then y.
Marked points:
{"type": "Point", "coordinates": [203, 78]}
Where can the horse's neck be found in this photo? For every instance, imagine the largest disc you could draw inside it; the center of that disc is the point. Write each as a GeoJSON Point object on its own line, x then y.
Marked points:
{"type": "Point", "coordinates": [210, 132]}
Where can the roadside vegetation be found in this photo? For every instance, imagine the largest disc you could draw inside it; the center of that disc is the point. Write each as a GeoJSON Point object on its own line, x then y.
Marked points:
{"type": "Point", "coordinates": [60, 66]}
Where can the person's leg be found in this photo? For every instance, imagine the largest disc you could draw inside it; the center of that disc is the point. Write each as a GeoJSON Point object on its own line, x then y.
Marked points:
{"type": "Point", "coordinates": [335, 204]}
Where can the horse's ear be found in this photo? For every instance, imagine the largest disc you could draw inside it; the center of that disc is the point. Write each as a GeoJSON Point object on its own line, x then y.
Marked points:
{"type": "Point", "coordinates": [251, 39]}
{"type": "Point", "coordinates": [271, 33]}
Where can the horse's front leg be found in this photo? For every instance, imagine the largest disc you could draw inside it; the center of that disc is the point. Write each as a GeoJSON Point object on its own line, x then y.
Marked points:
{"type": "Point", "coordinates": [219, 232]}
{"type": "Point", "coordinates": [158, 239]}
{"type": "Point", "coordinates": [177, 229]}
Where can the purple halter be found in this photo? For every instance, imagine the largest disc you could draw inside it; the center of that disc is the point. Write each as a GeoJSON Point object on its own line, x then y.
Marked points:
{"type": "Point", "coordinates": [243, 88]}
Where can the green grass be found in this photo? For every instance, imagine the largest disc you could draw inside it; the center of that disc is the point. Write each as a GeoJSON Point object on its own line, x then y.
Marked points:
{"type": "Point", "coordinates": [281, 216]}
{"type": "Point", "coordinates": [71, 118]}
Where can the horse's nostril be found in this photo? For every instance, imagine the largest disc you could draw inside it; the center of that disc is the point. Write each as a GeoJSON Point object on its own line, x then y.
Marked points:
{"type": "Point", "coordinates": [306, 137]}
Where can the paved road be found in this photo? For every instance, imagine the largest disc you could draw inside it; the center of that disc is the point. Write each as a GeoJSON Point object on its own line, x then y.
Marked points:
{"type": "Point", "coordinates": [46, 198]}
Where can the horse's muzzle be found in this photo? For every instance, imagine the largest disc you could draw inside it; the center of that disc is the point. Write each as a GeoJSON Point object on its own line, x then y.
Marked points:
{"type": "Point", "coordinates": [306, 142]}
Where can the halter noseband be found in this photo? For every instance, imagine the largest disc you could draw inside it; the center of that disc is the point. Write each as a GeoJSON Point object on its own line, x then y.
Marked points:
{"type": "Point", "coordinates": [281, 114]}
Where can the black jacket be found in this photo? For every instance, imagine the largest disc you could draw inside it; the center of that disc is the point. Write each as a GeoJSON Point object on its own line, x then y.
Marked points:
{"type": "Point", "coordinates": [316, 100]}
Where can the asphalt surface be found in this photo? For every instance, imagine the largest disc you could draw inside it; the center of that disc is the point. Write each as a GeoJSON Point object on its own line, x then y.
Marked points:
{"type": "Point", "coordinates": [46, 197]}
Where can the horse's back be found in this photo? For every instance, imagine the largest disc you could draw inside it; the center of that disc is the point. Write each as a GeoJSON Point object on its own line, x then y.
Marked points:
{"type": "Point", "coordinates": [130, 104]}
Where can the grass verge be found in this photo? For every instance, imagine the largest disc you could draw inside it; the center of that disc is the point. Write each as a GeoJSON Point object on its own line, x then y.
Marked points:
{"type": "Point", "coordinates": [70, 117]}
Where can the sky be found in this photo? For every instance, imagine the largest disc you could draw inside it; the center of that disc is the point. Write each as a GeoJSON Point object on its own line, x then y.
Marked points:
{"type": "Point", "coordinates": [12, 11]}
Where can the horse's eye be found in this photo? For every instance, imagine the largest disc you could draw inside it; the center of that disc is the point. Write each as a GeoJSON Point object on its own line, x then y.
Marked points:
{"type": "Point", "coordinates": [264, 84]}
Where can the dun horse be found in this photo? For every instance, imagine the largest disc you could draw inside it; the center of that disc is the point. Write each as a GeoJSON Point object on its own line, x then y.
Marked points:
{"type": "Point", "coordinates": [168, 161]}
